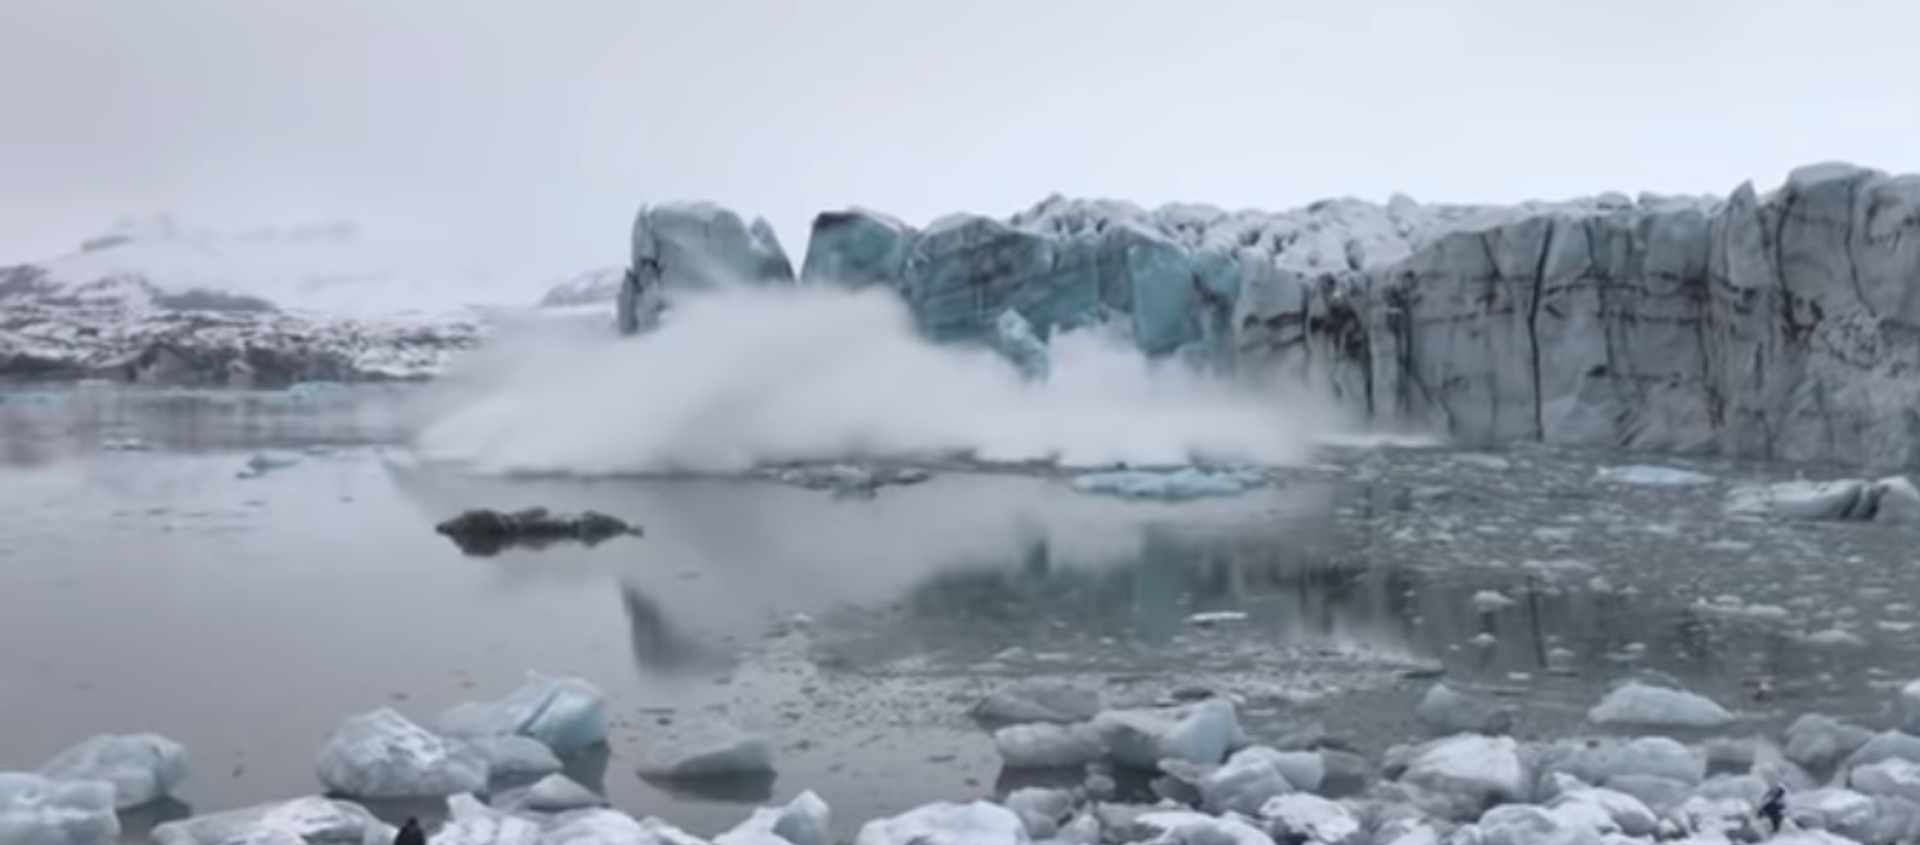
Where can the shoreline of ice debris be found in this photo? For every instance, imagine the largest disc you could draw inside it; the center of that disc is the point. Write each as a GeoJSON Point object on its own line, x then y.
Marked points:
{"type": "Point", "coordinates": [1660, 764]}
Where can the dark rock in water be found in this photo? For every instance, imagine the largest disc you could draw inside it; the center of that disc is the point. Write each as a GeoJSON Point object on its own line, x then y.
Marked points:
{"type": "Point", "coordinates": [482, 533]}
{"type": "Point", "coordinates": [410, 833]}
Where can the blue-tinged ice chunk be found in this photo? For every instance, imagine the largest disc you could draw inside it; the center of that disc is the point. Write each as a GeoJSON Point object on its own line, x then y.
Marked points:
{"type": "Point", "coordinates": [470, 822]}
{"type": "Point", "coordinates": [567, 714]}
{"type": "Point", "coordinates": [803, 821]}
{"type": "Point", "coordinates": [857, 249]}
{"type": "Point", "coordinates": [1014, 337]}
{"type": "Point", "coordinates": [143, 768]}
{"type": "Point", "coordinates": [1166, 295]}
{"type": "Point", "coordinates": [1170, 485]}
{"type": "Point", "coordinates": [383, 755]}
{"type": "Point", "coordinates": [302, 820]}
{"type": "Point", "coordinates": [946, 823]}
{"type": "Point", "coordinates": [1199, 733]}
{"type": "Point", "coordinates": [35, 810]}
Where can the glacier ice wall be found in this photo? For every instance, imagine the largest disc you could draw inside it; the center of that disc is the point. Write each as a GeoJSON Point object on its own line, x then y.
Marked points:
{"type": "Point", "coordinates": [1781, 326]}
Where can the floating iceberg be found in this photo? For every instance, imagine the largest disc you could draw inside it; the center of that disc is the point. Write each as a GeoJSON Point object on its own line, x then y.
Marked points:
{"type": "Point", "coordinates": [1893, 499]}
{"type": "Point", "coordinates": [564, 714]}
{"type": "Point", "coordinates": [1170, 485]}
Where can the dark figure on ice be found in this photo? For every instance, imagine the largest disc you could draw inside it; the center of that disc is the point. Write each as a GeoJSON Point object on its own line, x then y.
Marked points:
{"type": "Point", "coordinates": [1773, 807]}
{"type": "Point", "coordinates": [410, 833]}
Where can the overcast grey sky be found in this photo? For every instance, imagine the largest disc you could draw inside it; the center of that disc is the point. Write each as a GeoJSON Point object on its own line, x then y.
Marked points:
{"type": "Point", "coordinates": [527, 131]}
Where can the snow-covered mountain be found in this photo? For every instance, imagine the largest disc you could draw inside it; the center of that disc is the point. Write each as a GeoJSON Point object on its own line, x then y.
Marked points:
{"type": "Point", "coordinates": [154, 300]}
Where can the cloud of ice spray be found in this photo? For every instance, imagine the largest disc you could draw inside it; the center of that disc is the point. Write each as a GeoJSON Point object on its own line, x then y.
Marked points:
{"type": "Point", "coordinates": [748, 376]}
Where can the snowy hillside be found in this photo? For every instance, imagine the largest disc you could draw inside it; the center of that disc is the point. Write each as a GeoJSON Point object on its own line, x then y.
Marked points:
{"type": "Point", "coordinates": [154, 300]}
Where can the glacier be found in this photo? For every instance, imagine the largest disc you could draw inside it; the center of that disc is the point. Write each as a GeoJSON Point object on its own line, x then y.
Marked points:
{"type": "Point", "coordinates": [154, 301]}
{"type": "Point", "coordinates": [1781, 325]}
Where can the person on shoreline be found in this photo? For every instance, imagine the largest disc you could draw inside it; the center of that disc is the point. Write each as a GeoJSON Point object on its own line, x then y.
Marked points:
{"type": "Point", "coordinates": [410, 833]}
{"type": "Point", "coordinates": [1773, 807]}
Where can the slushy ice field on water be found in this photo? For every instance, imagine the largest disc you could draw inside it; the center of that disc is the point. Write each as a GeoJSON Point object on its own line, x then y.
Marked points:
{"type": "Point", "coordinates": [239, 571]}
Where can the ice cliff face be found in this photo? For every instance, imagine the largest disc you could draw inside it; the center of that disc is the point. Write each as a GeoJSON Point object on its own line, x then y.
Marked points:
{"type": "Point", "coordinates": [1782, 326]}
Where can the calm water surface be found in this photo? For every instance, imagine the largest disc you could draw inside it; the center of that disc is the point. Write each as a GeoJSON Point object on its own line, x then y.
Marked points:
{"type": "Point", "coordinates": [147, 583]}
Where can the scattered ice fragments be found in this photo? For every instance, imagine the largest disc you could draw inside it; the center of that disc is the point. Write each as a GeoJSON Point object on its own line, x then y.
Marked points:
{"type": "Point", "coordinates": [1643, 705]}
{"type": "Point", "coordinates": [1176, 485]}
{"type": "Point", "coordinates": [1892, 499]}
{"type": "Point", "coordinates": [142, 768]}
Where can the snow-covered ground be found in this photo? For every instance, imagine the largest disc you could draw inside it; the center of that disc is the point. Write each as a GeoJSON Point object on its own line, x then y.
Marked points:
{"type": "Point", "coordinates": [156, 301]}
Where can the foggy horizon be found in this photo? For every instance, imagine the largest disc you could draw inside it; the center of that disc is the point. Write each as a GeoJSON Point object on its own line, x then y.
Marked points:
{"type": "Point", "coordinates": [523, 138]}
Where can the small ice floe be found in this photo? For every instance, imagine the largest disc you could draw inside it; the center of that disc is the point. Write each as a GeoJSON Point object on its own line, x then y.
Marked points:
{"type": "Point", "coordinates": [1176, 485]}
{"type": "Point", "coordinates": [1643, 705]}
{"type": "Point", "coordinates": [1491, 601]}
{"type": "Point", "coordinates": [1216, 617]}
{"type": "Point", "coordinates": [1892, 499]}
{"type": "Point", "coordinates": [845, 480]}
{"type": "Point", "coordinates": [264, 462]}
{"type": "Point", "coordinates": [1650, 475]}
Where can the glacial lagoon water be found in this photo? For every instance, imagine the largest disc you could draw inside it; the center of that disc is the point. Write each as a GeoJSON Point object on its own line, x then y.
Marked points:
{"type": "Point", "coordinates": [152, 579]}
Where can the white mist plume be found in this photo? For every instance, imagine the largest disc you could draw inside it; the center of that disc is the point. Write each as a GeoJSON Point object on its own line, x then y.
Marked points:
{"type": "Point", "coordinates": [753, 375]}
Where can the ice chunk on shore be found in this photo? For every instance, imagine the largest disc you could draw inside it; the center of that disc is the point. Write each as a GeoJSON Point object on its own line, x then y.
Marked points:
{"type": "Point", "coordinates": [1817, 742]}
{"type": "Point", "coordinates": [566, 714]}
{"type": "Point", "coordinates": [1311, 818]}
{"type": "Point", "coordinates": [1247, 781]}
{"type": "Point", "coordinates": [1444, 711]}
{"type": "Point", "coordinates": [470, 822]}
{"type": "Point", "coordinates": [302, 820]}
{"type": "Point", "coordinates": [947, 823]}
{"type": "Point", "coordinates": [1607, 762]}
{"type": "Point", "coordinates": [1048, 746]}
{"type": "Point", "coordinates": [1199, 733]}
{"type": "Point", "coordinates": [36, 810]}
{"type": "Point", "coordinates": [1176, 485]}
{"type": "Point", "coordinates": [1515, 824]}
{"type": "Point", "coordinates": [1480, 770]}
{"type": "Point", "coordinates": [710, 750]}
{"type": "Point", "coordinates": [143, 768]}
{"type": "Point", "coordinates": [612, 827]}
{"type": "Point", "coordinates": [1635, 704]}
{"type": "Point", "coordinates": [1039, 700]}
{"type": "Point", "coordinates": [1185, 827]}
{"type": "Point", "coordinates": [382, 754]}
{"type": "Point", "coordinates": [805, 820]}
